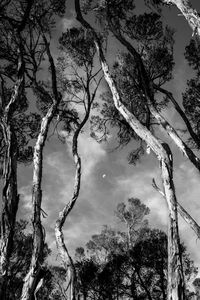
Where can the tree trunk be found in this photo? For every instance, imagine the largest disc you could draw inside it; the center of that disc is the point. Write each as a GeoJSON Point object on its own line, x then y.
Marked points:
{"type": "Point", "coordinates": [184, 214]}
{"type": "Point", "coordinates": [31, 279]}
{"type": "Point", "coordinates": [175, 270]}
{"type": "Point", "coordinates": [189, 13]}
{"type": "Point", "coordinates": [149, 92]}
{"type": "Point", "coordinates": [10, 200]}
{"type": "Point", "coordinates": [64, 254]}
{"type": "Point", "coordinates": [176, 285]}
{"type": "Point", "coordinates": [182, 114]}
{"type": "Point", "coordinates": [38, 231]}
{"type": "Point", "coordinates": [10, 197]}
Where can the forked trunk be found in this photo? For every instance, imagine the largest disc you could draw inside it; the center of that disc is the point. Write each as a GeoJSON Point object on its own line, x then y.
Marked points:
{"type": "Point", "coordinates": [175, 270]}
{"type": "Point", "coordinates": [31, 279]}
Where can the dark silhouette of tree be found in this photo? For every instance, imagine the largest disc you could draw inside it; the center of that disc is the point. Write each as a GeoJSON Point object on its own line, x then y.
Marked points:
{"type": "Point", "coordinates": [11, 92]}
{"type": "Point", "coordinates": [108, 269]}
{"type": "Point", "coordinates": [20, 260]}
{"type": "Point", "coordinates": [26, 28]}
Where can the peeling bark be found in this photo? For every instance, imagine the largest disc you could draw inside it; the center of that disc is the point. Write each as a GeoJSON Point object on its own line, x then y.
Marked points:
{"type": "Point", "coordinates": [10, 197]}
{"type": "Point", "coordinates": [189, 13]}
{"type": "Point", "coordinates": [176, 286]}
{"type": "Point", "coordinates": [64, 254]}
{"type": "Point", "coordinates": [10, 201]}
{"type": "Point", "coordinates": [31, 279]}
{"type": "Point", "coordinates": [186, 216]}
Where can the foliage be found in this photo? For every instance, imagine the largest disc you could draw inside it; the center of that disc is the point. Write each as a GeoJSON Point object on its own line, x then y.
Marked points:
{"type": "Point", "coordinates": [192, 94]}
{"type": "Point", "coordinates": [20, 260]}
{"type": "Point", "coordinates": [154, 45]}
{"type": "Point", "coordinates": [108, 269]}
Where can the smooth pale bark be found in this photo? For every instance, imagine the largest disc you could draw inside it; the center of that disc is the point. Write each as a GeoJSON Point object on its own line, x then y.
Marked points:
{"type": "Point", "coordinates": [31, 279]}
{"type": "Point", "coordinates": [189, 13]}
{"type": "Point", "coordinates": [149, 94]}
{"type": "Point", "coordinates": [167, 128]}
{"type": "Point", "coordinates": [184, 214]}
{"type": "Point", "coordinates": [64, 254]}
{"type": "Point", "coordinates": [176, 288]}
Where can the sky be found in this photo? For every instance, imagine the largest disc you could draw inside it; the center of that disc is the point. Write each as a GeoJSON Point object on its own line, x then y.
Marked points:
{"type": "Point", "coordinates": [107, 178]}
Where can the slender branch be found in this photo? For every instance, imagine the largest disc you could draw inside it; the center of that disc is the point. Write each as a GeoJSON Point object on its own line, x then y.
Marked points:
{"type": "Point", "coordinates": [65, 256]}
{"type": "Point", "coordinates": [149, 94]}
{"type": "Point", "coordinates": [175, 270]}
{"type": "Point", "coordinates": [181, 113]}
{"type": "Point", "coordinates": [184, 214]}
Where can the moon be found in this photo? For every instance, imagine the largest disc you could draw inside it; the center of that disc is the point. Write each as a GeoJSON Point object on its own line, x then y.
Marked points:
{"type": "Point", "coordinates": [104, 175]}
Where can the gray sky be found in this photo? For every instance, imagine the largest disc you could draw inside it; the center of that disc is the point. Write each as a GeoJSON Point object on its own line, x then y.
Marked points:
{"type": "Point", "coordinates": [101, 193]}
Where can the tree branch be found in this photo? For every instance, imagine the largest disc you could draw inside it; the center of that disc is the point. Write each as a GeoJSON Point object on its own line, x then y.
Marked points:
{"type": "Point", "coordinates": [184, 214]}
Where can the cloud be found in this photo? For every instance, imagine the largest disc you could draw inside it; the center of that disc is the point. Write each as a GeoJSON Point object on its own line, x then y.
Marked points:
{"type": "Point", "coordinates": [91, 153]}
{"type": "Point", "coordinates": [139, 185]}
{"type": "Point", "coordinates": [67, 23]}
{"type": "Point", "coordinates": [57, 186]}
{"type": "Point", "coordinates": [99, 196]}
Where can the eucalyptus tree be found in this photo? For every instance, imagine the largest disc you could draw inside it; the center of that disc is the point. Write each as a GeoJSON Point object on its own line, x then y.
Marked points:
{"type": "Point", "coordinates": [107, 268]}
{"type": "Point", "coordinates": [176, 285]}
{"type": "Point", "coordinates": [26, 28]}
{"type": "Point", "coordinates": [13, 104]}
{"type": "Point", "coordinates": [49, 99]}
{"type": "Point", "coordinates": [80, 80]}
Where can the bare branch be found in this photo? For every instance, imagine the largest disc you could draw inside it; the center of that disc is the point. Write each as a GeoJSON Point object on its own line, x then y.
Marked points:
{"type": "Point", "coordinates": [184, 214]}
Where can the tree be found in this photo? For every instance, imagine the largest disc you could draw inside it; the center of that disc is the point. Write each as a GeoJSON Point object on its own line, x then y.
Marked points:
{"type": "Point", "coordinates": [32, 44]}
{"type": "Point", "coordinates": [136, 272]}
{"type": "Point", "coordinates": [162, 151]}
{"type": "Point", "coordinates": [78, 48]}
{"type": "Point", "coordinates": [12, 87]}
{"type": "Point", "coordinates": [20, 260]}
{"type": "Point", "coordinates": [52, 98]}
{"type": "Point", "coordinates": [133, 217]}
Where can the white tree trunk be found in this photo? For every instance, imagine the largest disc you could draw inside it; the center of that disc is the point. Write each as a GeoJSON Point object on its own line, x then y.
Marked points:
{"type": "Point", "coordinates": [189, 13]}
{"type": "Point", "coordinates": [176, 288]}
{"type": "Point", "coordinates": [167, 128]}
{"type": "Point", "coordinates": [31, 279]}
{"type": "Point", "coordinates": [64, 254]}
{"type": "Point", "coordinates": [184, 214]}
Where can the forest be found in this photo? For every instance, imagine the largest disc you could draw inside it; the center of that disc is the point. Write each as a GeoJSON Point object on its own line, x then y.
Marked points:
{"type": "Point", "coordinates": [99, 149]}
